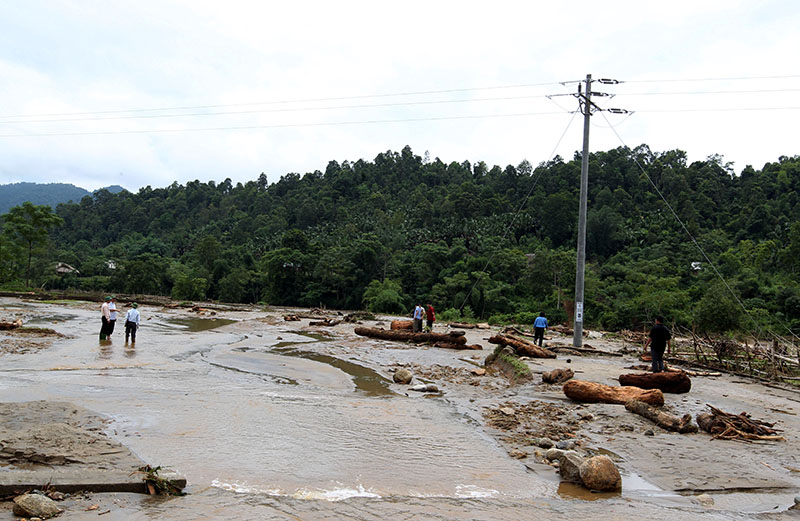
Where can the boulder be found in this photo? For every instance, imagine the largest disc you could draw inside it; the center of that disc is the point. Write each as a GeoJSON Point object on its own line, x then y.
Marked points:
{"type": "Point", "coordinates": [600, 473]}
{"type": "Point", "coordinates": [35, 505]}
{"type": "Point", "coordinates": [543, 443]}
{"type": "Point", "coordinates": [553, 454]}
{"type": "Point", "coordinates": [402, 376]}
{"type": "Point", "coordinates": [566, 444]}
{"type": "Point", "coordinates": [570, 467]}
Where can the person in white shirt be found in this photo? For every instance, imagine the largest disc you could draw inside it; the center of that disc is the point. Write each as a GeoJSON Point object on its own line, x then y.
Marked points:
{"type": "Point", "coordinates": [132, 323]}
{"type": "Point", "coordinates": [105, 315]}
{"type": "Point", "coordinates": [112, 315]}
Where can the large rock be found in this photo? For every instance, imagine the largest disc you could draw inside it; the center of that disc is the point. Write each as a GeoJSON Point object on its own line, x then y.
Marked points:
{"type": "Point", "coordinates": [600, 473]}
{"type": "Point", "coordinates": [402, 376]}
{"type": "Point", "coordinates": [570, 467]}
{"type": "Point", "coordinates": [35, 505]}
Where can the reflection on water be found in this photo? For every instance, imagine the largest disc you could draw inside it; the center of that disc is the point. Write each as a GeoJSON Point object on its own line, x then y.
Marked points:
{"type": "Point", "coordinates": [196, 325]}
{"type": "Point", "coordinates": [573, 491]}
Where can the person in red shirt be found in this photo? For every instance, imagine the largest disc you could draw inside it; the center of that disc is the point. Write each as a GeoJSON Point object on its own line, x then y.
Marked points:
{"type": "Point", "coordinates": [430, 315]}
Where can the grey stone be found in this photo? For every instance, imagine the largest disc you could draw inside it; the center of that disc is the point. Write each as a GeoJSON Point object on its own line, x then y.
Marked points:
{"type": "Point", "coordinates": [649, 432]}
{"type": "Point", "coordinates": [553, 454]}
{"type": "Point", "coordinates": [402, 376]}
{"type": "Point", "coordinates": [424, 388]}
{"type": "Point", "coordinates": [705, 500]}
{"type": "Point", "coordinates": [566, 444]}
{"type": "Point", "coordinates": [35, 505]}
{"type": "Point", "coordinates": [543, 443]}
{"type": "Point", "coordinates": [600, 473]}
{"type": "Point", "coordinates": [569, 467]}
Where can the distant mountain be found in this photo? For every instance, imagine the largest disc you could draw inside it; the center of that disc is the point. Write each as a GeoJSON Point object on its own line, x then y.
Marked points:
{"type": "Point", "coordinates": [44, 193]}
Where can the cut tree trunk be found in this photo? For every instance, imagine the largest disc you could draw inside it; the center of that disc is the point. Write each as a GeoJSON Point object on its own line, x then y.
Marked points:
{"type": "Point", "coordinates": [409, 336]}
{"type": "Point", "coordinates": [402, 324]}
{"type": "Point", "coordinates": [522, 347]}
{"type": "Point", "coordinates": [662, 419]}
{"type": "Point", "coordinates": [557, 376]}
{"type": "Point", "coordinates": [452, 345]}
{"type": "Point", "coordinates": [590, 392]}
{"type": "Point", "coordinates": [667, 381]}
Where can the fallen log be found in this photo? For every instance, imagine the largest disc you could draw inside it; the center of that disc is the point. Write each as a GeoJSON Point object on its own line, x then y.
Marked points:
{"type": "Point", "coordinates": [11, 325]}
{"type": "Point", "coordinates": [409, 336]}
{"type": "Point", "coordinates": [522, 347]}
{"type": "Point", "coordinates": [402, 324]}
{"type": "Point", "coordinates": [557, 376]}
{"type": "Point", "coordinates": [462, 325]}
{"type": "Point", "coordinates": [667, 381]}
{"type": "Point", "coordinates": [589, 350]}
{"type": "Point", "coordinates": [726, 426]}
{"type": "Point", "coordinates": [591, 392]}
{"type": "Point", "coordinates": [662, 419]}
{"type": "Point", "coordinates": [452, 345]}
{"type": "Point", "coordinates": [291, 318]}
{"type": "Point", "coordinates": [325, 323]}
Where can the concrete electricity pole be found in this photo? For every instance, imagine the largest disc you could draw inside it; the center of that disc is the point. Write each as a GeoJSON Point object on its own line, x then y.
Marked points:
{"type": "Point", "coordinates": [585, 101]}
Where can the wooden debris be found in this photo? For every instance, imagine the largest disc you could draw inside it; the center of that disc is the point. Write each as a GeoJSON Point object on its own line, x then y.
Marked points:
{"type": "Point", "coordinates": [522, 347]}
{"type": "Point", "coordinates": [662, 419]}
{"type": "Point", "coordinates": [462, 325]}
{"type": "Point", "coordinates": [667, 381]}
{"type": "Point", "coordinates": [557, 376]}
{"type": "Point", "coordinates": [726, 426]}
{"type": "Point", "coordinates": [409, 336]}
{"type": "Point", "coordinates": [591, 392]}
{"type": "Point", "coordinates": [328, 322]}
{"type": "Point", "coordinates": [453, 345]}
{"type": "Point", "coordinates": [11, 325]}
{"type": "Point", "coordinates": [402, 324]}
{"type": "Point", "coordinates": [291, 318]}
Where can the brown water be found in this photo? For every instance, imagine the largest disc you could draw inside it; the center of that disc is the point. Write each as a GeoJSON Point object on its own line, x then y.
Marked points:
{"type": "Point", "coordinates": [266, 432]}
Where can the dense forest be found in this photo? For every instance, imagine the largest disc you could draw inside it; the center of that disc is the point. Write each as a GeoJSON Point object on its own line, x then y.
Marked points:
{"type": "Point", "coordinates": [477, 241]}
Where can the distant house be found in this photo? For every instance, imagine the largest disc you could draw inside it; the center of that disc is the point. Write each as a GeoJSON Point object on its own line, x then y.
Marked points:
{"type": "Point", "coordinates": [696, 267]}
{"type": "Point", "coordinates": [62, 268]}
{"type": "Point", "coordinates": [110, 264]}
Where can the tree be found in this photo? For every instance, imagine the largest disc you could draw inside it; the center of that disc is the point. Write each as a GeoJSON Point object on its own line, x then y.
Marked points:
{"type": "Point", "coordinates": [29, 224]}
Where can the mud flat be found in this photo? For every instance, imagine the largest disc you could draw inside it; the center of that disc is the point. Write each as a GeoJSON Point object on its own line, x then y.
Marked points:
{"type": "Point", "coordinates": [270, 419]}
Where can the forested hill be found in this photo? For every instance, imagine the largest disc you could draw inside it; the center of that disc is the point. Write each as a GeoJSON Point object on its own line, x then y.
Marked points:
{"type": "Point", "coordinates": [49, 194]}
{"type": "Point", "coordinates": [399, 230]}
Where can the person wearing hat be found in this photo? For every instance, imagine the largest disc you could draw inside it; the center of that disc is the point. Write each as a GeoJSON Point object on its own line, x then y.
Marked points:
{"type": "Point", "coordinates": [132, 323]}
{"type": "Point", "coordinates": [105, 316]}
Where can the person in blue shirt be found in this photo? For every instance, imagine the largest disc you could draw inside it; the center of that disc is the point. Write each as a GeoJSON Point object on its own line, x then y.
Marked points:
{"type": "Point", "coordinates": [132, 323]}
{"type": "Point", "coordinates": [539, 325]}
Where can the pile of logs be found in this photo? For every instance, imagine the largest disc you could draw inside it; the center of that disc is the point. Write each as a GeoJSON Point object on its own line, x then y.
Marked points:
{"type": "Point", "coordinates": [452, 340]}
{"type": "Point", "coordinates": [11, 325]}
{"type": "Point", "coordinates": [666, 381]}
{"type": "Point", "coordinates": [590, 392]}
{"type": "Point", "coordinates": [726, 426]}
{"type": "Point", "coordinates": [522, 347]}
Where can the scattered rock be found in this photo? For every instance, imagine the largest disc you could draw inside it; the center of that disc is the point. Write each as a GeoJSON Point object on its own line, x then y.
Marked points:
{"type": "Point", "coordinates": [35, 505]}
{"type": "Point", "coordinates": [600, 473]}
{"type": "Point", "coordinates": [518, 454]}
{"type": "Point", "coordinates": [424, 388]}
{"type": "Point", "coordinates": [553, 454]}
{"type": "Point", "coordinates": [544, 443]}
{"type": "Point", "coordinates": [705, 500]}
{"type": "Point", "coordinates": [508, 411]}
{"type": "Point", "coordinates": [478, 371]}
{"type": "Point", "coordinates": [402, 376]}
{"type": "Point", "coordinates": [557, 376]}
{"type": "Point", "coordinates": [569, 467]}
{"type": "Point", "coordinates": [566, 444]}
{"type": "Point", "coordinates": [649, 432]}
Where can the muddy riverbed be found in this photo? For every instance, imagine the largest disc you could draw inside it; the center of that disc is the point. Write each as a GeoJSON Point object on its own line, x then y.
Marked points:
{"type": "Point", "coordinates": [270, 419]}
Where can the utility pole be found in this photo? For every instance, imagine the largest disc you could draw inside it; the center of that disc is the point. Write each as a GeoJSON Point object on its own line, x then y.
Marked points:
{"type": "Point", "coordinates": [585, 101]}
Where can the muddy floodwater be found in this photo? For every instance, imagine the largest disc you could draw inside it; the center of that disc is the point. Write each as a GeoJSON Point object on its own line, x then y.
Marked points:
{"type": "Point", "coordinates": [278, 420]}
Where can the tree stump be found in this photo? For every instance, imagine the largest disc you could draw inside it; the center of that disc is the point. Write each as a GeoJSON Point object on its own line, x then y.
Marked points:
{"type": "Point", "coordinates": [591, 392]}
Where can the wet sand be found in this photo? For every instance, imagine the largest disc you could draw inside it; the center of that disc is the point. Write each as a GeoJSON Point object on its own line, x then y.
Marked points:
{"type": "Point", "coordinates": [275, 390]}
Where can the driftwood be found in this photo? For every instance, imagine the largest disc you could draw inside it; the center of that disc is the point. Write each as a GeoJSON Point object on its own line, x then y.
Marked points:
{"type": "Point", "coordinates": [662, 419]}
{"type": "Point", "coordinates": [328, 322]}
{"type": "Point", "coordinates": [522, 347]}
{"type": "Point", "coordinates": [402, 324]}
{"type": "Point", "coordinates": [726, 426]}
{"type": "Point", "coordinates": [11, 325]}
{"type": "Point", "coordinates": [409, 336]}
{"type": "Point", "coordinates": [291, 318]}
{"type": "Point", "coordinates": [590, 392]}
{"type": "Point", "coordinates": [462, 325]}
{"type": "Point", "coordinates": [667, 381]}
{"type": "Point", "coordinates": [584, 349]}
{"type": "Point", "coordinates": [452, 345]}
{"type": "Point", "coordinates": [557, 376]}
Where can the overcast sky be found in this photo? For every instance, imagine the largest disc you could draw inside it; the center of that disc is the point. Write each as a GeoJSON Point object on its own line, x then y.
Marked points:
{"type": "Point", "coordinates": [150, 92]}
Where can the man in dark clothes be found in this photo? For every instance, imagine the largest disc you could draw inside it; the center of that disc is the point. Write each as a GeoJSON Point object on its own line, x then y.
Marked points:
{"type": "Point", "coordinates": [660, 338]}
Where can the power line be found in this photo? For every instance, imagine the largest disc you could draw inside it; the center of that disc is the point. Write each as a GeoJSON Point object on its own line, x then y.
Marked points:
{"type": "Point", "coordinates": [700, 92]}
{"type": "Point", "coordinates": [279, 102]}
{"type": "Point", "coordinates": [734, 78]}
{"type": "Point", "coordinates": [287, 125]}
{"type": "Point", "coordinates": [293, 109]}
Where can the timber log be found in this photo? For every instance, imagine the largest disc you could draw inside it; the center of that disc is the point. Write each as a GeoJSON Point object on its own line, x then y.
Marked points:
{"type": "Point", "coordinates": [662, 419]}
{"type": "Point", "coordinates": [402, 324]}
{"type": "Point", "coordinates": [409, 336]}
{"type": "Point", "coordinates": [522, 347]}
{"type": "Point", "coordinates": [666, 381]}
{"type": "Point", "coordinates": [590, 392]}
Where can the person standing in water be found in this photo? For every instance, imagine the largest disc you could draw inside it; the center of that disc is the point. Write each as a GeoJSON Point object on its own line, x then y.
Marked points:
{"type": "Point", "coordinates": [132, 323]}
{"type": "Point", "coordinates": [112, 315]}
{"type": "Point", "coordinates": [105, 315]}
